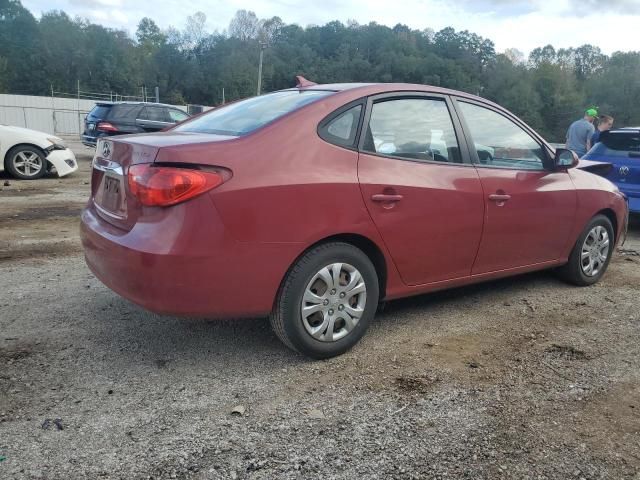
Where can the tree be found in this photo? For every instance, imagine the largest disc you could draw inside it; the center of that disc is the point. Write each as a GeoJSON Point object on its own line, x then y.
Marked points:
{"type": "Point", "coordinates": [194, 32]}
{"type": "Point", "coordinates": [515, 56]}
{"type": "Point", "coordinates": [20, 48]}
{"type": "Point", "coordinates": [587, 61]}
{"type": "Point", "coordinates": [149, 34]}
{"type": "Point", "coordinates": [546, 54]}
{"type": "Point", "coordinates": [548, 91]}
{"type": "Point", "coordinates": [270, 30]}
{"type": "Point", "coordinates": [244, 25]}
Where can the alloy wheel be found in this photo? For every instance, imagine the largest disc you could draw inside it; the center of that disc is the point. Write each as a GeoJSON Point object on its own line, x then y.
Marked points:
{"type": "Point", "coordinates": [27, 163]}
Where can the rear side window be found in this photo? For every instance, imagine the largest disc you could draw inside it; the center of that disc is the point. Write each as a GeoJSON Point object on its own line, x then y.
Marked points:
{"type": "Point", "coordinates": [618, 144]}
{"type": "Point", "coordinates": [342, 129]}
{"type": "Point", "coordinates": [245, 116]}
{"type": "Point", "coordinates": [413, 128]}
{"type": "Point", "coordinates": [99, 111]}
{"type": "Point", "coordinates": [154, 114]}
{"type": "Point", "coordinates": [124, 112]}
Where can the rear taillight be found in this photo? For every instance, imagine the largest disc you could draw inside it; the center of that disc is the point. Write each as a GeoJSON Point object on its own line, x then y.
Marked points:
{"type": "Point", "coordinates": [106, 127]}
{"type": "Point", "coordinates": [159, 186]}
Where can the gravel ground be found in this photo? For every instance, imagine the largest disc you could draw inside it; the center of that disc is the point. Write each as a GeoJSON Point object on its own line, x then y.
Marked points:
{"type": "Point", "coordinates": [520, 378]}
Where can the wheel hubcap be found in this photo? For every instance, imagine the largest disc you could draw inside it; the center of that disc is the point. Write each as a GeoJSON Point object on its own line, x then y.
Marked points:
{"type": "Point", "coordinates": [595, 251]}
{"type": "Point", "coordinates": [333, 302]}
{"type": "Point", "coordinates": [27, 163]}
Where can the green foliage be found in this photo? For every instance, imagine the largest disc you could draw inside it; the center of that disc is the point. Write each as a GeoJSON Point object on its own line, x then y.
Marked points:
{"type": "Point", "coordinates": [548, 90]}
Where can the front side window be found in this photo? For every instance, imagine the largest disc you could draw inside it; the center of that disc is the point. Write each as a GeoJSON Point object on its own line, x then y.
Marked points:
{"type": "Point", "coordinates": [342, 129]}
{"type": "Point", "coordinates": [413, 128]}
{"type": "Point", "coordinates": [499, 142]}
{"type": "Point", "coordinates": [245, 116]}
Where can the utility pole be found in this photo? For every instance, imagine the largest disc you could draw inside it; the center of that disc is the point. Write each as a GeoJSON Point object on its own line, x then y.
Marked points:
{"type": "Point", "coordinates": [263, 46]}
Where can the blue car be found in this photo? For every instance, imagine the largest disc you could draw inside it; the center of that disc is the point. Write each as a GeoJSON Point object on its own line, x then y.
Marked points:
{"type": "Point", "coordinates": [621, 149]}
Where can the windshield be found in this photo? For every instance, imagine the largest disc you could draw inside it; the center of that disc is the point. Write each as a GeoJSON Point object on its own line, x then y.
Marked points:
{"type": "Point", "coordinates": [248, 115]}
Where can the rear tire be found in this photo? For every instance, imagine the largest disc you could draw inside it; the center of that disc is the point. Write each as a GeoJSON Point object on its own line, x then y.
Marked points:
{"type": "Point", "coordinates": [26, 162]}
{"type": "Point", "coordinates": [591, 254]}
{"type": "Point", "coordinates": [327, 301]}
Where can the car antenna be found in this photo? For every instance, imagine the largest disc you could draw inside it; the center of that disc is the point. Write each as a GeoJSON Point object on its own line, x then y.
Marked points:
{"type": "Point", "coordinates": [303, 82]}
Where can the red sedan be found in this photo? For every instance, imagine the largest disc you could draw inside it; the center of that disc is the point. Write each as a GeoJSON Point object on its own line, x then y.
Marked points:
{"type": "Point", "coordinates": [315, 203]}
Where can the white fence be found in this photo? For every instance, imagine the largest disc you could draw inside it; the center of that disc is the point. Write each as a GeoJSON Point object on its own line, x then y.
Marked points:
{"type": "Point", "coordinates": [60, 116]}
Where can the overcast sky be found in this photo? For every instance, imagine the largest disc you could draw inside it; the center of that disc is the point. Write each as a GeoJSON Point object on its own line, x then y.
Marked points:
{"type": "Point", "coordinates": [523, 24]}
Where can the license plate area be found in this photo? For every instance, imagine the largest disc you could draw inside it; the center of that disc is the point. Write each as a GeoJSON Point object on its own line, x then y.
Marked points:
{"type": "Point", "coordinates": [110, 197]}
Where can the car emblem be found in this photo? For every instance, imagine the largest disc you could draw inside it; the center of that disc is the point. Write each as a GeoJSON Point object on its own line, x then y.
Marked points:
{"type": "Point", "coordinates": [624, 171]}
{"type": "Point", "coordinates": [106, 149]}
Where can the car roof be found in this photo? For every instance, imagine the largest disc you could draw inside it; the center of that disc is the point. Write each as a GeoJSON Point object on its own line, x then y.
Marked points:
{"type": "Point", "coordinates": [109, 104]}
{"type": "Point", "coordinates": [380, 88]}
{"type": "Point", "coordinates": [625, 130]}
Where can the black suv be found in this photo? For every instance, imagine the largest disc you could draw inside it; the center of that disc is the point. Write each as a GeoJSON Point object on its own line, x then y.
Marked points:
{"type": "Point", "coordinates": [119, 118]}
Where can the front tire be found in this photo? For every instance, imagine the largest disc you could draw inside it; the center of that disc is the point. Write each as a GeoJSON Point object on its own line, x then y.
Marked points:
{"type": "Point", "coordinates": [591, 254]}
{"type": "Point", "coordinates": [326, 301]}
{"type": "Point", "coordinates": [26, 162]}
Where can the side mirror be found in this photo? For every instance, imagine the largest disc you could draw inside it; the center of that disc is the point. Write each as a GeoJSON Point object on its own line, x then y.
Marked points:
{"type": "Point", "coordinates": [565, 158]}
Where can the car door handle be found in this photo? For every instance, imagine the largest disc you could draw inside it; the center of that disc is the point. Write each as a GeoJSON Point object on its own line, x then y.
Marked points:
{"type": "Point", "coordinates": [499, 197]}
{"type": "Point", "coordinates": [383, 197]}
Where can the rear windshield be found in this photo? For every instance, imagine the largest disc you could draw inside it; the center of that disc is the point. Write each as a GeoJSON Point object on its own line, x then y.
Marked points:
{"type": "Point", "coordinates": [244, 117]}
{"type": "Point", "coordinates": [618, 144]}
{"type": "Point", "coordinates": [100, 111]}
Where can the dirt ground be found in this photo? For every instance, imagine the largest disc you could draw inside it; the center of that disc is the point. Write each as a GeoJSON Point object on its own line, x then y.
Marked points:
{"type": "Point", "coordinates": [525, 378]}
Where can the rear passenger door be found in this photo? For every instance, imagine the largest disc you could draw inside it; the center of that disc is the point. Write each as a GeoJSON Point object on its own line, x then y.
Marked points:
{"type": "Point", "coordinates": [153, 118]}
{"type": "Point", "coordinates": [419, 186]}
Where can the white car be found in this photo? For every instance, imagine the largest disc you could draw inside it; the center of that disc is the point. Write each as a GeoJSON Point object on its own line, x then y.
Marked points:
{"type": "Point", "coordinates": [29, 154]}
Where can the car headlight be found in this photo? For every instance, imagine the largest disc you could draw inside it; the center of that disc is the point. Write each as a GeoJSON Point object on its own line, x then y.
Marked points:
{"type": "Point", "coordinates": [58, 144]}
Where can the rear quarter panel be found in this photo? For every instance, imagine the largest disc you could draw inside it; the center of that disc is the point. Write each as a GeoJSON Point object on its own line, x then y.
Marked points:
{"type": "Point", "coordinates": [288, 187]}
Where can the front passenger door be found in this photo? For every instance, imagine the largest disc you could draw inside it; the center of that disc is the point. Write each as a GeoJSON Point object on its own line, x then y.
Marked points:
{"type": "Point", "coordinates": [529, 207]}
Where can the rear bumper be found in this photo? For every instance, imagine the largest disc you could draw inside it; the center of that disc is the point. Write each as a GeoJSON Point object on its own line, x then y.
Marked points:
{"type": "Point", "coordinates": [89, 141]}
{"type": "Point", "coordinates": [184, 263]}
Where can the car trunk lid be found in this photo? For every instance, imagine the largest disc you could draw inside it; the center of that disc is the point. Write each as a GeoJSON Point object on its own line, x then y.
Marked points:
{"type": "Point", "coordinates": [109, 188]}
{"type": "Point", "coordinates": [108, 183]}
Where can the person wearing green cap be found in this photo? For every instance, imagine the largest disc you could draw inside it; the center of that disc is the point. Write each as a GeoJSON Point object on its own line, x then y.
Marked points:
{"type": "Point", "coordinates": [580, 132]}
